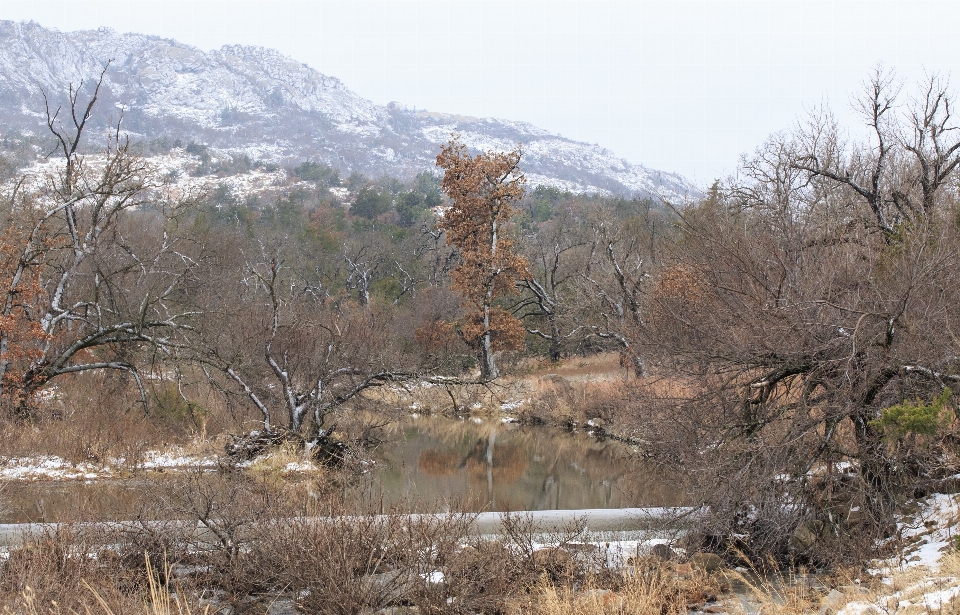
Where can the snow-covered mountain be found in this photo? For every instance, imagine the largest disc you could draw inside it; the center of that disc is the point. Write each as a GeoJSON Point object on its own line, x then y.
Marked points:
{"type": "Point", "coordinates": [258, 102]}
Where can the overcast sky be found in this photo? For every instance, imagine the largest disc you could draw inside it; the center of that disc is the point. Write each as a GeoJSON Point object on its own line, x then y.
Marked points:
{"type": "Point", "coordinates": [684, 85]}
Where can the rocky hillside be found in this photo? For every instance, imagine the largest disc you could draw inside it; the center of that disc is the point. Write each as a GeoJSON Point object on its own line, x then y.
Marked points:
{"type": "Point", "coordinates": [255, 101]}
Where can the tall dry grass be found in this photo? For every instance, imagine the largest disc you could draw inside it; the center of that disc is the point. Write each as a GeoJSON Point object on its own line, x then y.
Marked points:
{"type": "Point", "coordinates": [653, 588]}
{"type": "Point", "coordinates": [98, 418]}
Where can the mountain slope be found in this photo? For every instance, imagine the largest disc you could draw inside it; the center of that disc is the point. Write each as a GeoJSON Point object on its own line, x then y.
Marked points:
{"type": "Point", "coordinates": [256, 101]}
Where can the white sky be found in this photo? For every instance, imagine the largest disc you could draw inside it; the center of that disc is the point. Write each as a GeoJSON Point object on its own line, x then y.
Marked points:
{"type": "Point", "coordinates": [683, 85]}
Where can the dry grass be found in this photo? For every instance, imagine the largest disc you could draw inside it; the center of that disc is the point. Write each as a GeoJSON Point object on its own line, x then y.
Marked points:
{"type": "Point", "coordinates": [158, 600]}
{"type": "Point", "coordinates": [656, 590]}
{"type": "Point", "coordinates": [269, 546]}
{"type": "Point", "coordinates": [280, 463]}
{"type": "Point", "coordinates": [97, 418]}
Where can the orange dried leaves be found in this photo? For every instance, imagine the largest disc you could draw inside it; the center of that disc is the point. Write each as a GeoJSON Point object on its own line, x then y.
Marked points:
{"type": "Point", "coordinates": [483, 190]}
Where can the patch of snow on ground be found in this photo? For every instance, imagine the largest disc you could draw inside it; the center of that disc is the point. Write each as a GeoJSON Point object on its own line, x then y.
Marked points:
{"type": "Point", "coordinates": [930, 532]}
{"type": "Point", "coordinates": [299, 466]}
{"type": "Point", "coordinates": [45, 467]}
{"type": "Point", "coordinates": [175, 459]}
{"type": "Point", "coordinates": [858, 608]}
{"type": "Point", "coordinates": [51, 467]}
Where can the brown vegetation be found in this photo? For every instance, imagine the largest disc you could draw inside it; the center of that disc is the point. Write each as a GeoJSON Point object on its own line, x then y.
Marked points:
{"type": "Point", "coordinates": [483, 191]}
{"type": "Point", "coordinates": [258, 543]}
{"type": "Point", "coordinates": [789, 343]}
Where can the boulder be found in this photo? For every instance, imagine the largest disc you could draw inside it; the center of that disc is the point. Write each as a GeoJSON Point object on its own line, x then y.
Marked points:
{"type": "Point", "coordinates": [707, 562]}
{"type": "Point", "coordinates": [806, 535]}
{"type": "Point", "coordinates": [832, 603]}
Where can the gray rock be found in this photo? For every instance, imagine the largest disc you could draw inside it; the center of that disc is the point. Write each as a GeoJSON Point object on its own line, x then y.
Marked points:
{"type": "Point", "coordinates": [387, 587]}
{"type": "Point", "coordinates": [832, 603]}
{"type": "Point", "coordinates": [708, 562]}
{"type": "Point", "coordinates": [806, 535]}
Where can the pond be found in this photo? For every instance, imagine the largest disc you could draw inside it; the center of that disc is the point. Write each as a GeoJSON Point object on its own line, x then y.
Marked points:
{"type": "Point", "coordinates": [433, 464]}
{"type": "Point", "coordinates": [495, 467]}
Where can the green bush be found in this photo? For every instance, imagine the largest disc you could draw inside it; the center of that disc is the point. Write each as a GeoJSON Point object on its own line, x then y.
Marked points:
{"type": "Point", "coordinates": [917, 417]}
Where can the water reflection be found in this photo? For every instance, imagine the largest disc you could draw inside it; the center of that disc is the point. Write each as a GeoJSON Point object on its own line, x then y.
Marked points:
{"type": "Point", "coordinates": [440, 463]}
{"type": "Point", "coordinates": [502, 467]}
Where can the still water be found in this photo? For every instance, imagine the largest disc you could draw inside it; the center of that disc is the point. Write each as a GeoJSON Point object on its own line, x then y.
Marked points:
{"type": "Point", "coordinates": [430, 463]}
{"type": "Point", "coordinates": [496, 467]}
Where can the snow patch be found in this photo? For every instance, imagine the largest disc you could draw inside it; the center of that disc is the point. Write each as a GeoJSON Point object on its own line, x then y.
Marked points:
{"type": "Point", "coordinates": [930, 532]}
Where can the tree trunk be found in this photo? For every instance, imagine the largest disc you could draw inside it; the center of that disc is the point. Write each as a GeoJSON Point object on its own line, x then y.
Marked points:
{"type": "Point", "coordinates": [488, 366]}
{"type": "Point", "coordinates": [556, 348]}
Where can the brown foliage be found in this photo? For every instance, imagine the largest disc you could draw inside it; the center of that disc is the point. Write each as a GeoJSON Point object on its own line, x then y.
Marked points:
{"type": "Point", "coordinates": [508, 331]}
{"type": "Point", "coordinates": [483, 191]}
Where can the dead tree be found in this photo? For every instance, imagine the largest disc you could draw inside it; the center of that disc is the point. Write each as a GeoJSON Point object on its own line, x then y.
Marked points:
{"type": "Point", "coordinates": [617, 279]}
{"type": "Point", "coordinates": [548, 307]}
{"type": "Point", "coordinates": [91, 269]}
{"type": "Point", "coordinates": [899, 173]}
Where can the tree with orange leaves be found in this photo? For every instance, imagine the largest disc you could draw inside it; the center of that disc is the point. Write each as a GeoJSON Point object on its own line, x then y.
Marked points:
{"type": "Point", "coordinates": [483, 190]}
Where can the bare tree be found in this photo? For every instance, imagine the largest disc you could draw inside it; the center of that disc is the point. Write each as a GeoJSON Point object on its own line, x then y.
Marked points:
{"type": "Point", "coordinates": [932, 137]}
{"type": "Point", "coordinates": [618, 279]}
{"type": "Point", "coordinates": [785, 352]}
{"type": "Point", "coordinates": [558, 252]}
{"type": "Point", "coordinates": [92, 265]}
{"type": "Point", "coordinates": [291, 354]}
{"type": "Point", "coordinates": [363, 263]}
{"type": "Point", "coordinates": [909, 157]}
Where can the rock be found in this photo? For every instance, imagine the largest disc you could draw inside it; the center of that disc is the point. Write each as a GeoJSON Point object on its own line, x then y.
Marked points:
{"type": "Point", "coordinates": [832, 603]}
{"type": "Point", "coordinates": [806, 535]}
{"type": "Point", "coordinates": [283, 606]}
{"type": "Point", "coordinates": [663, 552]}
{"type": "Point", "coordinates": [708, 562]}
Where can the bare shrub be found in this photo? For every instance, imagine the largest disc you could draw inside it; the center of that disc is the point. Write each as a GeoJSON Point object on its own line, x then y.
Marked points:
{"type": "Point", "coordinates": [51, 571]}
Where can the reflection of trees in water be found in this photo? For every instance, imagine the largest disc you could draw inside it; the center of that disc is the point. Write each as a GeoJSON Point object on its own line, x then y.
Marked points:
{"type": "Point", "coordinates": [532, 467]}
{"type": "Point", "coordinates": [508, 465]}
{"type": "Point", "coordinates": [505, 463]}
{"type": "Point", "coordinates": [437, 462]}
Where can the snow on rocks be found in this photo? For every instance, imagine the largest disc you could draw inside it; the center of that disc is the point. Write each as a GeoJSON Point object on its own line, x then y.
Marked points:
{"type": "Point", "coordinates": [509, 406]}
